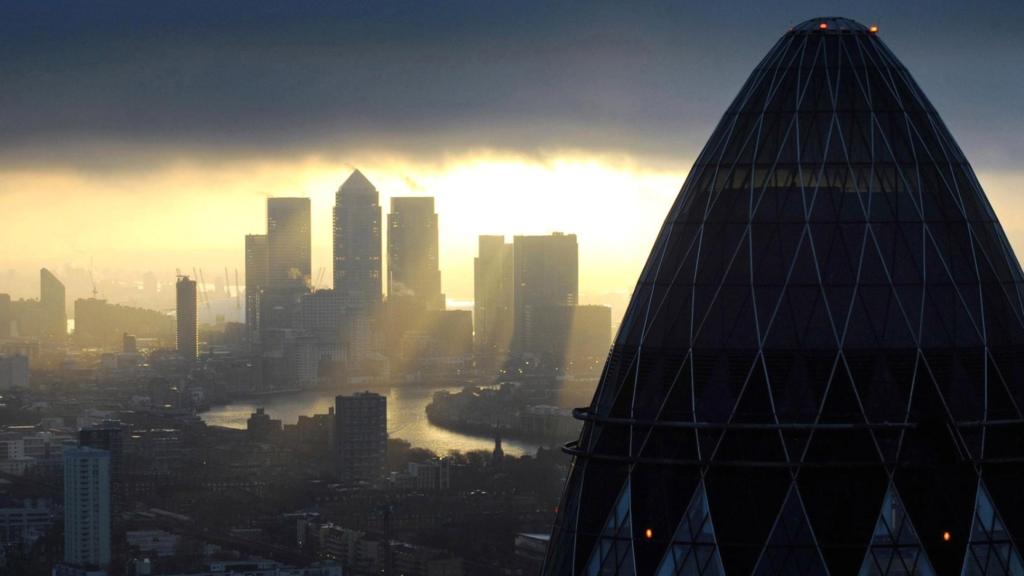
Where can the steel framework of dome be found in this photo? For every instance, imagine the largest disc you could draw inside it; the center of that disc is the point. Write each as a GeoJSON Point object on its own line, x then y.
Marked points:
{"type": "Point", "coordinates": [821, 370]}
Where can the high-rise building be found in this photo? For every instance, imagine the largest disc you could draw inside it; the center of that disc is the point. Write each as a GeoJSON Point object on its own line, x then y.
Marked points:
{"type": "Point", "coordinates": [289, 256]}
{"type": "Point", "coordinates": [323, 314]}
{"type": "Point", "coordinates": [108, 435]}
{"type": "Point", "coordinates": [820, 368]}
{"type": "Point", "coordinates": [5, 316]}
{"type": "Point", "coordinates": [187, 334]}
{"type": "Point", "coordinates": [546, 273]}
{"type": "Point", "coordinates": [567, 334]}
{"type": "Point", "coordinates": [357, 242]}
{"type": "Point", "coordinates": [361, 435]}
{"type": "Point", "coordinates": [413, 270]}
{"type": "Point", "coordinates": [256, 261]}
{"type": "Point", "coordinates": [444, 336]}
{"type": "Point", "coordinates": [53, 306]}
{"type": "Point", "coordinates": [86, 507]}
{"type": "Point", "coordinates": [493, 296]}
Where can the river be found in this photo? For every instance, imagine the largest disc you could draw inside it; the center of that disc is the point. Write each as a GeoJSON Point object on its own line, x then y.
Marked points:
{"type": "Point", "coordinates": [407, 418]}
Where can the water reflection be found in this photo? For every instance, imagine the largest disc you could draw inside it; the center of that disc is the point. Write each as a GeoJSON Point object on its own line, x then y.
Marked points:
{"type": "Point", "coordinates": [406, 418]}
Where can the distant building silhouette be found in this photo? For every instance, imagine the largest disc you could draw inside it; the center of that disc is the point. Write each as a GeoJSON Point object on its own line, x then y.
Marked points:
{"type": "Point", "coordinates": [498, 453]}
{"type": "Point", "coordinates": [53, 306]}
{"type": "Point", "coordinates": [546, 273]}
{"type": "Point", "coordinates": [569, 333]}
{"type": "Point", "coordinates": [493, 296]}
{"type": "Point", "coordinates": [87, 478]}
{"type": "Point", "coordinates": [187, 334]}
{"type": "Point", "coordinates": [357, 242]}
{"type": "Point", "coordinates": [129, 343]}
{"type": "Point", "coordinates": [260, 427]}
{"type": "Point", "coordinates": [6, 317]}
{"type": "Point", "coordinates": [413, 270]}
{"type": "Point", "coordinates": [361, 435]}
{"type": "Point", "coordinates": [256, 279]}
{"type": "Point", "coordinates": [99, 323]}
{"type": "Point", "coordinates": [289, 256]}
{"type": "Point", "coordinates": [14, 372]}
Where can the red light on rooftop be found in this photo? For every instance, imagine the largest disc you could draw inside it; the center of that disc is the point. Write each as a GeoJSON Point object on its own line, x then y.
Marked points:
{"type": "Point", "coordinates": [823, 26]}
{"type": "Point", "coordinates": [946, 536]}
{"type": "Point", "coordinates": [873, 29]}
{"type": "Point", "coordinates": [648, 533]}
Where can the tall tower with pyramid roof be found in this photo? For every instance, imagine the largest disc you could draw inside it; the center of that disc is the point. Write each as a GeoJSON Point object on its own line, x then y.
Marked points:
{"type": "Point", "coordinates": [357, 242]}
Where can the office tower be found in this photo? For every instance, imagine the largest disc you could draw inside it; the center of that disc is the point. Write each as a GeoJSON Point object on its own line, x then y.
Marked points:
{"type": "Point", "coordinates": [591, 332]}
{"type": "Point", "coordinates": [451, 332]}
{"type": "Point", "coordinates": [288, 244]}
{"type": "Point", "coordinates": [109, 436]}
{"type": "Point", "coordinates": [568, 334]}
{"type": "Point", "coordinates": [52, 306]}
{"type": "Point", "coordinates": [493, 295]}
{"type": "Point", "coordinates": [546, 273]}
{"type": "Point", "coordinates": [819, 370]}
{"type": "Point", "coordinates": [413, 272]}
{"type": "Point", "coordinates": [357, 242]}
{"type": "Point", "coordinates": [6, 316]}
{"type": "Point", "coordinates": [255, 282]}
{"type": "Point", "coordinates": [323, 314]}
{"type": "Point", "coordinates": [187, 335]}
{"type": "Point", "coordinates": [361, 435]}
{"type": "Point", "coordinates": [86, 507]}
{"type": "Point", "coordinates": [441, 335]}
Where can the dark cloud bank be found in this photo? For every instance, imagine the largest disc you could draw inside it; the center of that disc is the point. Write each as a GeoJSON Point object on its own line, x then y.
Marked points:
{"type": "Point", "coordinates": [88, 81]}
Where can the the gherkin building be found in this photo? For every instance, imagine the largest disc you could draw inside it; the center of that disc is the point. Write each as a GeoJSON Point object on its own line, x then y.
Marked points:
{"type": "Point", "coordinates": [821, 371]}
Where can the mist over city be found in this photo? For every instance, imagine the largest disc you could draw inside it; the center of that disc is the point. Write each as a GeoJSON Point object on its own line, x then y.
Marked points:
{"type": "Point", "coordinates": [528, 288]}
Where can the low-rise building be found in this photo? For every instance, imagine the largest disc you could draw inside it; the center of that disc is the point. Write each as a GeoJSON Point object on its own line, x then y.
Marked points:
{"type": "Point", "coordinates": [23, 521]}
{"type": "Point", "coordinates": [14, 373]}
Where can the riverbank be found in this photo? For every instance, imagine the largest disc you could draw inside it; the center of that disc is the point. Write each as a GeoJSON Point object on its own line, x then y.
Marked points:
{"type": "Point", "coordinates": [407, 417]}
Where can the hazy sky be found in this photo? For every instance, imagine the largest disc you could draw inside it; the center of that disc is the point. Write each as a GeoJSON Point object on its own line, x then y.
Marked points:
{"type": "Point", "coordinates": [145, 135]}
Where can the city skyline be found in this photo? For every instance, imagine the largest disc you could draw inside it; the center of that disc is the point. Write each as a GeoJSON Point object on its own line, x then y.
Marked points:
{"type": "Point", "coordinates": [402, 288]}
{"type": "Point", "coordinates": [525, 180]}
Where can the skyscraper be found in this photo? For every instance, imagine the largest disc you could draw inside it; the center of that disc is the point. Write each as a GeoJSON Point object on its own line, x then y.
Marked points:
{"type": "Point", "coordinates": [86, 507]}
{"type": "Point", "coordinates": [546, 273]}
{"type": "Point", "coordinates": [361, 435]}
{"type": "Point", "coordinates": [493, 295]}
{"type": "Point", "coordinates": [5, 316]}
{"type": "Point", "coordinates": [288, 244]}
{"type": "Point", "coordinates": [53, 306]}
{"type": "Point", "coordinates": [255, 281]}
{"type": "Point", "coordinates": [357, 242]}
{"type": "Point", "coordinates": [187, 334]}
{"type": "Point", "coordinates": [570, 333]}
{"type": "Point", "coordinates": [108, 435]}
{"type": "Point", "coordinates": [413, 270]}
{"type": "Point", "coordinates": [820, 368]}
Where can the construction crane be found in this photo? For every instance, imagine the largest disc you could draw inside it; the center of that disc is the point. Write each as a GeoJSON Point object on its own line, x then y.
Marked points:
{"type": "Point", "coordinates": [92, 280]}
{"type": "Point", "coordinates": [319, 278]}
{"type": "Point", "coordinates": [202, 289]}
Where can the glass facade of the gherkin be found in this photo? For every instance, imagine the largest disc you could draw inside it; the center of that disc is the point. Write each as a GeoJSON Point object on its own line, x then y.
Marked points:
{"type": "Point", "coordinates": [821, 370]}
